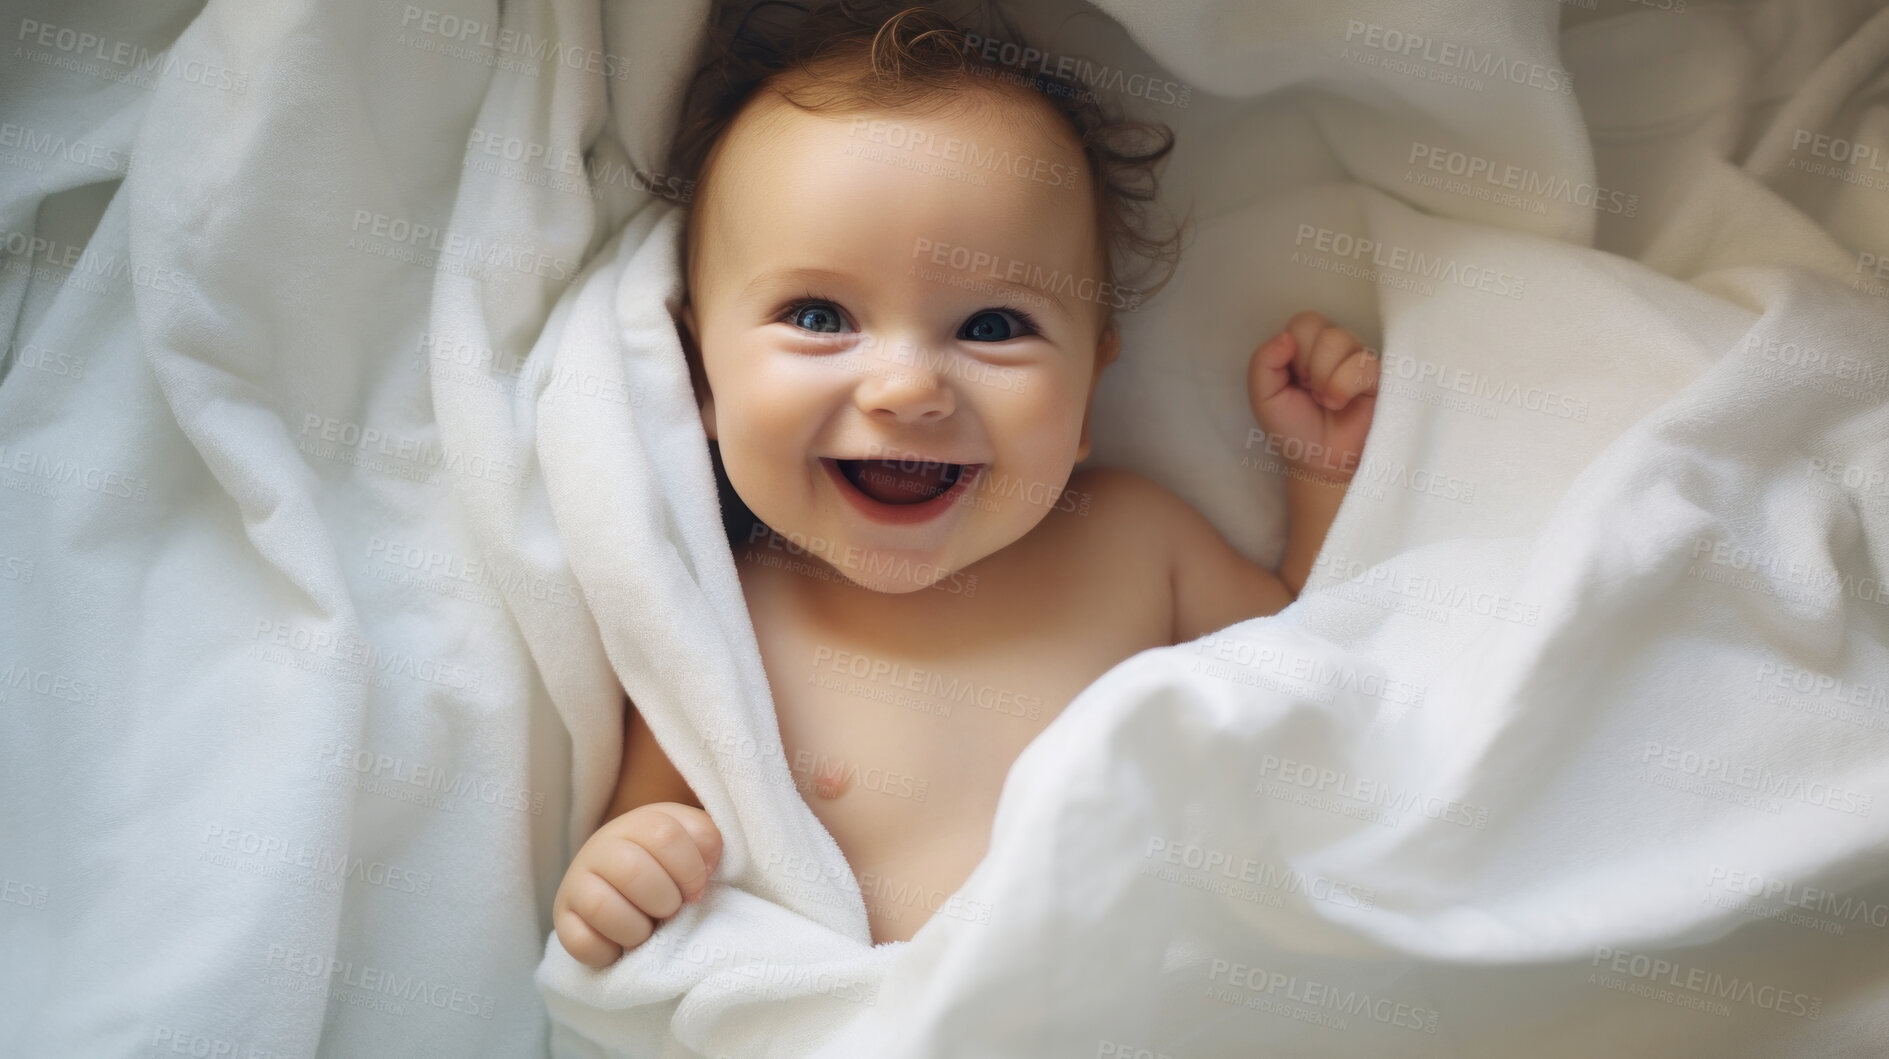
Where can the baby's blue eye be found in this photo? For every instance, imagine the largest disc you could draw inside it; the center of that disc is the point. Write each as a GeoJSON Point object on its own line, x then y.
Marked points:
{"type": "Point", "coordinates": [992, 325]}
{"type": "Point", "coordinates": [818, 317]}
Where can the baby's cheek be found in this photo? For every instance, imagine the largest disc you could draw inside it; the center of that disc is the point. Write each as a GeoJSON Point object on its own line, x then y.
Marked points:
{"type": "Point", "coordinates": [1054, 414]}
{"type": "Point", "coordinates": [1037, 468]}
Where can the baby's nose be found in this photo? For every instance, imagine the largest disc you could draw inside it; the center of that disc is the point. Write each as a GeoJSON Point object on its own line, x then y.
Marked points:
{"type": "Point", "coordinates": [907, 392]}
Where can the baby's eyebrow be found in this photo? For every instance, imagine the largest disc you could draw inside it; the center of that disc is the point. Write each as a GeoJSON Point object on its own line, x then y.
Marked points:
{"type": "Point", "coordinates": [797, 275]}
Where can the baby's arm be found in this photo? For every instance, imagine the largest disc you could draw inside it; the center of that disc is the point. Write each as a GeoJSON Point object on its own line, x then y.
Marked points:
{"type": "Point", "coordinates": [1313, 388]}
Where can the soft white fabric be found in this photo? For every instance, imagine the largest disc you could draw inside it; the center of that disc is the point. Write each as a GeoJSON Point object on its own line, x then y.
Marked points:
{"type": "Point", "coordinates": [1539, 764]}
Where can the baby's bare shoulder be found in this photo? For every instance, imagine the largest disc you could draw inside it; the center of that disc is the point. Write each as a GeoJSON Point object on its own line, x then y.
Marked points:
{"type": "Point", "coordinates": [1124, 500]}
{"type": "Point", "coordinates": [1124, 516]}
{"type": "Point", "coordinates": [1213, 585]}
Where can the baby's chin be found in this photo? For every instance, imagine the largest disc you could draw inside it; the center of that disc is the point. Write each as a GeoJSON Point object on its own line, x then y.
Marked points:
{"type": "Point", "coordinates": [897, 573]}
{"type": "Point", "coordinates": [889, 587]}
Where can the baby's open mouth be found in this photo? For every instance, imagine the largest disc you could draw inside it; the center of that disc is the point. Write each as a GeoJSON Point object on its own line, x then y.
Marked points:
{"type": "Point", "coordinates": [901, 481]}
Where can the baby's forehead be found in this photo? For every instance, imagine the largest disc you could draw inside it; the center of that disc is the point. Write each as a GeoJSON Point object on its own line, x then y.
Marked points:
{"type": "Point", "coordinates": [989, 154]}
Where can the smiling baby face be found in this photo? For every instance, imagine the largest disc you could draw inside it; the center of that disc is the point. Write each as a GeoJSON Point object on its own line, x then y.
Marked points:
{"type": "Point", "coordinates": [900, 350]}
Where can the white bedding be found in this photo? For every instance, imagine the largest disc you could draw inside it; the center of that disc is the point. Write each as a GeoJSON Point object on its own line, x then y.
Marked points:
{"type": "Point", "coordinates": [349, 469]}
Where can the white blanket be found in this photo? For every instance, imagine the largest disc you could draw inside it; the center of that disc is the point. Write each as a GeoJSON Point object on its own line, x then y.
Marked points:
{"type": "Point", "coordinates": [350, 466]}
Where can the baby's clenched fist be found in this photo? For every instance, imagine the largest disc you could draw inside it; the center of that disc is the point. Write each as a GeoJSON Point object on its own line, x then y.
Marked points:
{"type": "Point", "coordinates": [637, 869]}
{"type": "Point", "coordinates": [1314, 388]}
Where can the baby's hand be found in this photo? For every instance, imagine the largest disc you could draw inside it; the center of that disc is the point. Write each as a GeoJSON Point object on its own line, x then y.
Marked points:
{"type": "Point", "coordinates": [638, 868]}
{"type": "Point", "coordinates": [1313, 388]}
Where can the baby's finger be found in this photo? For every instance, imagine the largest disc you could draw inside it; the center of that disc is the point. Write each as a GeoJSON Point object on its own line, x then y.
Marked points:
{"type": "Point", "coordinates": [673, 839]}
{"type": "Point", "coordinates": [1331, 349]}
{"type": "Point", "coordinates": [598, 918]}
{"type": "Point", "coordinates": [1270, 369]}
{"type": "Point", "coordinates": [1305, 328]}
{"type": "Point", "coordinates": [691, 874]}
{"type": "Point", "coordinates": [585, 945]}
{"type": "Point", "coordinates": [1357, 374]}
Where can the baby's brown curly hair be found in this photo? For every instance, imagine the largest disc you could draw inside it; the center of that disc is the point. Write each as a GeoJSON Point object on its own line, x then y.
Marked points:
{"type": "Point", "coordinates": [855, 56]}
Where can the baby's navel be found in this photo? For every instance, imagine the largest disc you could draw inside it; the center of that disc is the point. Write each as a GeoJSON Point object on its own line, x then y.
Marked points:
{"type": "Point", "coordinates": [830, 781]}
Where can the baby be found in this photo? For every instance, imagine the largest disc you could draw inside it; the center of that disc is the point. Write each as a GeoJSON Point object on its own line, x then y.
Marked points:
{"type": "Point", "coordinates": [896, 342]}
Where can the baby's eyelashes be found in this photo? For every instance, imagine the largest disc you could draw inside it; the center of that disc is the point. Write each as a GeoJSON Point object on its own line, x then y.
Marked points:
{"type": "Point", "coordinates": [817, 316]}
{"type": "Point", "coordinates": [997, 325]}
{"type": "Point", "coordinates": [820, 316]}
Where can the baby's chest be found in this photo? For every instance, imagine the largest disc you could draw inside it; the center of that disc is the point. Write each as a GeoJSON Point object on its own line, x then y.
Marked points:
{"type": "Point", "coordinates": [884, 719]}
{"type": "Point", "coordinates": [900, 723]}
{"type": "Point", "coordinates": [940, 695]}
{"type": "Point", "coordinates": [901, 749]}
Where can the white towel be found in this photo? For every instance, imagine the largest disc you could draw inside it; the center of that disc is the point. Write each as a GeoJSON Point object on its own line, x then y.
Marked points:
{"type": "Point", "coordinates": [349, 473]}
